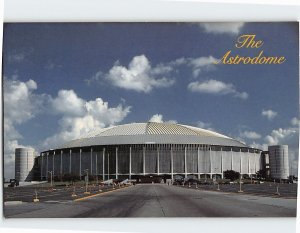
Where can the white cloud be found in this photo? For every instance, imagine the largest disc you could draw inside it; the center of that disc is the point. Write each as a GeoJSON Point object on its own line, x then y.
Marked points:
{"type": "Point", "coordinates": [222, 28]}
{"type": "Point", "coordinates": [270, 114]}
{"type": "Point", "coordinates": [286, 136]}
{"type": "Point", "coordinates": [216, 87]}
{"type": "Point", "coordinates": [158, 118]}
{"type": "Point", "coordinates": [250, 135]}
{"type": "Point", "coordinates": [80, 116]}
{"type": "Point", "coordinates": [67, 102]}
{"type": "Point", "coordinates": [140, 76]}
{"type": "Point", "coordinates": [281, 136]}
{"type": "Point", "coordinates": [295, 121]}
{"type": "Point", "coordinates": [20, 105]}
{"type": "Point", "coordinates": [204, 125]}
{"type": "Point", "coordinates": [201, 63]}
{"type": "Point", "coordinates": [16, 57]}
{"type": "Point", "coordinates": [198, 64]}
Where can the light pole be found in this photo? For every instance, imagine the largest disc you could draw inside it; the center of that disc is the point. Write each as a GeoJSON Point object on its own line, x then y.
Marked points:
{"type": "Point", "coordinates": [51, 177]}
{"type": "Point", "coordinates": [86, 181]}
{"type": "Point", "coordinates": [240, 191]}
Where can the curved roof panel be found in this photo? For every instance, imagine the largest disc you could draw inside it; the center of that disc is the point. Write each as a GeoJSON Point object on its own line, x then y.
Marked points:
{"type": "Point", "coordinates": [152, 132]}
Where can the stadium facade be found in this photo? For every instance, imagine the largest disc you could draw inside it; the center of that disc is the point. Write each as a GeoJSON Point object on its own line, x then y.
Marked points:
{"type": "Point", "coordinates": [150, 149]}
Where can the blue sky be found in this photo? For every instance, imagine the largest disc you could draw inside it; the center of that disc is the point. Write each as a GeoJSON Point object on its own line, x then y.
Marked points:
{"type": "Point", "coordinates": [62, 80]}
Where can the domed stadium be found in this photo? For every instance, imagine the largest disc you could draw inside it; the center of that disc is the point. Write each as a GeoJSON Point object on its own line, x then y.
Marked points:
{"type": "Point", "coordinates": [150, 149]}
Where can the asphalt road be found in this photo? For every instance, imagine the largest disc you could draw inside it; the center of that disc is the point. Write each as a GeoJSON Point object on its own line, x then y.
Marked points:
{"type": "Point", "coordinates": [44, 194]}
{"type": "Point", "coordinates": [266, 189]}
{"type": "Point", "coordinates": [158, 200]}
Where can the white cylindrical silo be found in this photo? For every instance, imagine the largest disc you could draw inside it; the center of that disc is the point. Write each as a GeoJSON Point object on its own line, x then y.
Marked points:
{"type": "Point", "coordinates": [24, 162]}
{"type": "Point", "coordinates": [279, 161]}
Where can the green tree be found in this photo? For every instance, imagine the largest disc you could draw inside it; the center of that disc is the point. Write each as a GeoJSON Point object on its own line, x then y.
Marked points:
{"type": "Point", "coordinates": [261, 174]}
{"type": "Point", "coordinates": [232, 175]}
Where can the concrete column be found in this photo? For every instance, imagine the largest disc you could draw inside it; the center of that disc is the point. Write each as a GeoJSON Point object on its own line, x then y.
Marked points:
{"type": "Point", "coordinates": [157, 160]}
{"type": "Point", "coordinates": [61, 163]}
{"type": "Point", "coordinates": [47, 166]}
{"type": "Point", "coordinates": [130, 162]}
{"type": "Point", "coordinates": [249, 168]}
{"type": "Point", "coordinates": [210, 162]}
{"type": "Point", "coordinates": [108, 166]}
{"type": "Point", "coordinates": [80, 151]}
{"type": "Point", "coordinates": [185, 167]}
{"type": "Point", "coordinates": [96, 162]}
{"type": "Point", "coordinates": [205, 161]}
{"type": "Point", "coordinates": [91, 161]}
{"type": "Point", "coordinates": [231, 159]}
{"type": "Point", "coordinates": [103, 164]}
{"type": "Point", "coordinates": [255, 161]}
{"type": "Point", "coordinates": [222, 175]}
{"type": "Point", "coordinates": [198, 160]}
{"type": "Point", "coordinates": [172, 163]}
{"type": "Point", "coordinates": [144, 165]}
{"type": "Point", "coordinates": [42, 164]}
{"type": "Point", "coordinates": [53, 162]}
{"type": "Point", "coordinates": [117, 172]}
{"type": "Point", "coordinates": [70, 165]}
{"type": "Point", "coordinates": [241, 161]}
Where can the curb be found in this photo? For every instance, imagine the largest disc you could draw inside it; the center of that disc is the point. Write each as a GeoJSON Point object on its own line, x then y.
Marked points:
{"type": "Point", "coordinates": [99, 194]}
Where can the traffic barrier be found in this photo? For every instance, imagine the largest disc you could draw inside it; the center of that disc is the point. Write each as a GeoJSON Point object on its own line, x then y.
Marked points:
{"type": "Point", "coordinates": [73, 193]}
{"type": "Point", "coordinates": [240, 191]}
{"type": "Point", "coordinates": [36, 197]}
{"type": "Point", "coordinates": [277, 190]}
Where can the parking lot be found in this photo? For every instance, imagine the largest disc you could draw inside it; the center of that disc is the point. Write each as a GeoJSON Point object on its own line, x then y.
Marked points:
{"type": "Point", "coordinates": [46, 193]}
{"type": "Point", "coordinates": [146, 200]}
{"type": "Point", "coordinates": [265, 189]}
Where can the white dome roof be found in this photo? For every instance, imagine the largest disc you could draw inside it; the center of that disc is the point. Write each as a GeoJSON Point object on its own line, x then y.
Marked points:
{"type": "Point", "coordinates": [154, 133]}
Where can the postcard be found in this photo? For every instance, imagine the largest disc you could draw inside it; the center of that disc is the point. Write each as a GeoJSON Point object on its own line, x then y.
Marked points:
{"type": "Point", "coordinates": [131, 120]}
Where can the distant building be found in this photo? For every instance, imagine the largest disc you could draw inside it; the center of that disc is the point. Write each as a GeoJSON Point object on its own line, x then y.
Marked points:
{"type": "Point", "coordinates": [279, 162]}
{"type": "Point", "coordinates": [24, 162]}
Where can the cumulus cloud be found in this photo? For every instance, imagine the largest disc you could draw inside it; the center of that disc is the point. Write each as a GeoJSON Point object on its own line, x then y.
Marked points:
{"type": "Point", "coordinates": [204, 125]}
{"type": "Point", "coordinates": [216, 87]}
{"type": "Point", "coordinates": [80, 116]}
{"type": "Point", "coordinates": [295, 121]}
{"type": "Point", "coordinates": [20, 105]}
{"type": "Point", "coordinates": [283, 136]}
{"type": "Point", "coordinates": [270, 114]}
{"type": "Point", "coordinates": [198, 64]}
{"type": "Point", "coordinates": [222, 28]}
{"type": "Point", "coordinates": [18, 56]}
{"type": "Point", "coordinates": [286, 136]}
{"type": "Point", "coordinates": [250, 135]}
{"type": "Point", "coordinates": [139, 76]}
{"type": "Point", "coordinates": [67, 102]}
{"type": "Point", "coordinates": [158, 118]}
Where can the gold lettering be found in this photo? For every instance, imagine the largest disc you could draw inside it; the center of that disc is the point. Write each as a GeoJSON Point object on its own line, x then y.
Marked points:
{"type": "Point", "coordinates": [248, 42]}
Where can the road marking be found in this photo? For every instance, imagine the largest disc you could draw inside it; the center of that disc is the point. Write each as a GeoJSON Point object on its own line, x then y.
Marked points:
{"type": "Point", "coordinates": [246, 193]}
{"type": "Point", "coordinates": [6, 203]}
{"type": "Point", "coordinates": [98, 194]}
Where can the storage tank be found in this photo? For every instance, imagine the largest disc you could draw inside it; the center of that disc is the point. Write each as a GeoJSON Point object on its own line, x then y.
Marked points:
{"type": "Point", "coordinates": [279, 161]}
{"type": "Point", "coordinates": [24, 161]}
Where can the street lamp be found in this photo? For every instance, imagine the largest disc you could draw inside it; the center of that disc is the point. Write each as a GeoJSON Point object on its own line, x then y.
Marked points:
{"type": "Point", "coordinates": [51, 177]}
{"type": "Point", "coordinates": [240, 191]}
{"type": "Point", "coordinates": [86, 181]}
